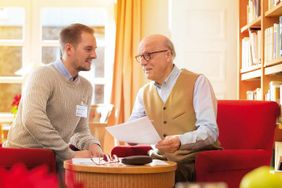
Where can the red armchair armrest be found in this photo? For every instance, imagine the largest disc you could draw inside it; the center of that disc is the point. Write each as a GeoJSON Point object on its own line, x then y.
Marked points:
{"type": "Point", "coordinates": [30, 157]}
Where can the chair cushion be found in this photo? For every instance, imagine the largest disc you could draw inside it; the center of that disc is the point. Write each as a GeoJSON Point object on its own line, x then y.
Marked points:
{"type": "Point", "coordinates": [228, 160]}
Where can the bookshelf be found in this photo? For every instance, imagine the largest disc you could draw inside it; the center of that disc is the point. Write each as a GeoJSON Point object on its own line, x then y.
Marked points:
{"type": "Point", "coordinates": [260, 56]}
{"type": "Point", "coordinates": [255, 19]}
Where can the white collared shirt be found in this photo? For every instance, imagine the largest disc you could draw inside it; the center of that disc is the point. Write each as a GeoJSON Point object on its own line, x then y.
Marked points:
{"type": "Point", "coordinates": [205, 106]}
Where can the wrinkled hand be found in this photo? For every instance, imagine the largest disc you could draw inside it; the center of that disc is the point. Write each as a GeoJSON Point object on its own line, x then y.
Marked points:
{"type": "Point", "coordinates": [96, 150]}
{"type": "Point", "coordinates": [169, 144]}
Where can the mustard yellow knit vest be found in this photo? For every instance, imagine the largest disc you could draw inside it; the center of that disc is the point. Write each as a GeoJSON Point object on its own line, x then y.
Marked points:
{"type": "Point", "coordinates": [176, 115]}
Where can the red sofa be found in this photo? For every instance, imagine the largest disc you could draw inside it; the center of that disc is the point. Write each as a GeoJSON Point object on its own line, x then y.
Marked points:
{"type": "Point", "coordinates": [246, 132]}
{"type": "Point", "coordinates": [30, 157]}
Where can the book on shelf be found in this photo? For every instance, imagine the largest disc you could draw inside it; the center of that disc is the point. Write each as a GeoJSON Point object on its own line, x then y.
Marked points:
{"type": "Point", "coordinates": [254, 39]}
{"type": "Point", "coordinates": [246, 53]}
{"type": "Point", "coordinates": [274, 91]}
{"type": "Point", "coordinates": [280, 36]}
{"type": "Point", "coordinates": [273, 44]}
{"type": "Point", "coordinates": [276, 41]}
{"type": "Point", "coordinates": [254, 94]}
{"type": "Point", "coordinates": [273, 3]}
{"type": "Point", "coordinates": [268, 45]}
{"type": "Point", "coordinates": [251, 49]}
{"type": "Point", "coordinates": [259, 36]}
{"type": "Point", "coordinates": [253, 10]}
{"type": "Point", "coordinates": [280, 95]}
{"type": "Point", "coordinates": [278, 154]}
{"type": "Point", "coordinates": [250, 95]}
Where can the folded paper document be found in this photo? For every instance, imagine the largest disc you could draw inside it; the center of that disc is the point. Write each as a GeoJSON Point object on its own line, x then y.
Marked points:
{"type": "Point", "coordinates": [140, 131]}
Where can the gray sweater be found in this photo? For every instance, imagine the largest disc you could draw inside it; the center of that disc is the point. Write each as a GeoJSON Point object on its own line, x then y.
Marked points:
{"type": "Point", "coordinates": [47, 116]}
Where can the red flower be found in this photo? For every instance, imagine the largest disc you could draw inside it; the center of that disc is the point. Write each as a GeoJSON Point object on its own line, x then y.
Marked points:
{"type": "Point", "coordinates": [16, 100]}
{"type": "Point", "coordinates": [15, 103]}
{"type": "Point", "coordinates": [19, 176]}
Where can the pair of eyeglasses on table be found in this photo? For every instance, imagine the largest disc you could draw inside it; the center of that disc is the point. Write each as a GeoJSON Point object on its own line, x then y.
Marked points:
{"type": "Point", "coordinates": [130, 160]}
{"type": "Point", "coordinates": [106, 159]}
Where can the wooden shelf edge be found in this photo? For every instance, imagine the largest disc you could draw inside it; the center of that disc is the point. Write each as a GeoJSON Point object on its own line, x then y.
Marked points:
{"type": "Point", "coordinates": [274, 62]}
{"type": "Point", "coordinates": [275, 11]}
{"type": "Point", "coordinates": [251, 75]}
{"type": "Point", "coordinates": [277, 68]}
{"type": "Point", "coordinates": [250, 68]}
{"type": "Point", "coordinates": [256, 24]}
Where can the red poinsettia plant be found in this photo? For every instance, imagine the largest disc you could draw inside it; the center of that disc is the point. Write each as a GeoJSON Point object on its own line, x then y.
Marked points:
{"type": "Point", "coordinates": [15, 103]}
{"type": "Point", "coordinates": [19, 176]}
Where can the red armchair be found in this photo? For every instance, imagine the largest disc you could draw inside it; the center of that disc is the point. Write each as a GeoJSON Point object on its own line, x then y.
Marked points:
{"type": "Point", "coordinates": [30, 157]}
{"type": "Point", "coordinates": [246, 132]}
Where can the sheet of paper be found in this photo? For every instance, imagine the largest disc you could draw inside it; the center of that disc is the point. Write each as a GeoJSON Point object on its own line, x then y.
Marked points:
{"type": "Point", "coordinates": [94, 161]}
{"type": "Point", "coordinates": [140, 131]}
{"type": "Point", "coordinates": [157, 162]}
{"type": "Point", "coordinates": [83, 161]}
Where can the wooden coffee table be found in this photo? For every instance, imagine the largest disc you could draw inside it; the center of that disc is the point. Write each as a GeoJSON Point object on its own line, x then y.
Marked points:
{"type": "Point", "coordinates": [122, 176]}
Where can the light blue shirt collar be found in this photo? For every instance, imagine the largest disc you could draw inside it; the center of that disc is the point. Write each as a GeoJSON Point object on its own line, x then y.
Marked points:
{"type": "Point", "coordinates": [59, 65]}
{"type": "Point", "coordinates": [171, 78]}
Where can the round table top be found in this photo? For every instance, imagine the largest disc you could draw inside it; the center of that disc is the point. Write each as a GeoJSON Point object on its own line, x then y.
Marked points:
{"type": "Point", "coordinates": [118, 168]}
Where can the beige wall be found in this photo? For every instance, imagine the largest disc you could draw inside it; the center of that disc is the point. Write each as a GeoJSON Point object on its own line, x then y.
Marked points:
{"type": "Point", "coordinates": [155, 17]}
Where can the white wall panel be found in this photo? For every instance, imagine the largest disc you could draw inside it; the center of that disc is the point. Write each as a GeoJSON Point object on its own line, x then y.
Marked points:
{"type": "Point", "coordinates": [204, 34]}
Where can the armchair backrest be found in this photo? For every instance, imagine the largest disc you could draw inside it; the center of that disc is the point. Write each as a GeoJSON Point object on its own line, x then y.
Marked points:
{"type": "Point", "coordinates": [247, 124]}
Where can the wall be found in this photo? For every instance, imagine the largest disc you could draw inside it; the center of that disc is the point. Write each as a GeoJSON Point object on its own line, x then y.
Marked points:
{"type": "Point", "coordinates": [155, 17]}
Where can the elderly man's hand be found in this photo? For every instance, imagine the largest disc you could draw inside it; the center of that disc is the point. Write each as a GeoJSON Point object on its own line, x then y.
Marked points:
{"type": "Point", "coordinates": [169, 144]}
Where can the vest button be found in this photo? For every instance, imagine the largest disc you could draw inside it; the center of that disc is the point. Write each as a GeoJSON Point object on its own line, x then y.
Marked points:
{"type": "Point", "coordinates": [164, 135]}
{"type": "Point", "coordinates": [165, 122]}
{"type": "Point", "coordinates": [164, 108]}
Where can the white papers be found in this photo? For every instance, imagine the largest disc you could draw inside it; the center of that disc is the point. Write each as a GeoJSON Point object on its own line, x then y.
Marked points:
{"type": "Point", "coordinates": [139, 131]}
{"type": "Point", "coordinates": [157, 162]}
{"type": "Point", "coordinates": [83, 161]}
{"type": "Point", "coordinates": [94, 161]}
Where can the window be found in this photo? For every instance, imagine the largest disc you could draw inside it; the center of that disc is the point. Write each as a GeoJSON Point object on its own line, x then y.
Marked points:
{"type": "Point", "coordinates": [11, 56]}
{"type": "Point", "coordinates": [29, 33]}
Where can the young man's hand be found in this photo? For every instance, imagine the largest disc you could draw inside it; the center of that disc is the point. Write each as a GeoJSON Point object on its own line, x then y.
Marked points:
{"type": "Point", "coordinates": [82, 154]}
{"type": "Point", "coordinates": [96, 150]}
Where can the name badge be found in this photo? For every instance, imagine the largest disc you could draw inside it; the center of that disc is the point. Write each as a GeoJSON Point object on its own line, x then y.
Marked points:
{"type": "Point", "coordinates": [81, 111]}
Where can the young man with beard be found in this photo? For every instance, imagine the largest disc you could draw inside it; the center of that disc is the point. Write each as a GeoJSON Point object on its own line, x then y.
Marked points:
{"type": "Point", "coordinates": [53, 112]}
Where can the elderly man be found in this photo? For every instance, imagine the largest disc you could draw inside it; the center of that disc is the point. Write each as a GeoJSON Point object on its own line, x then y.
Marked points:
{"type": "Point", "coordinates": [180, 103]}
